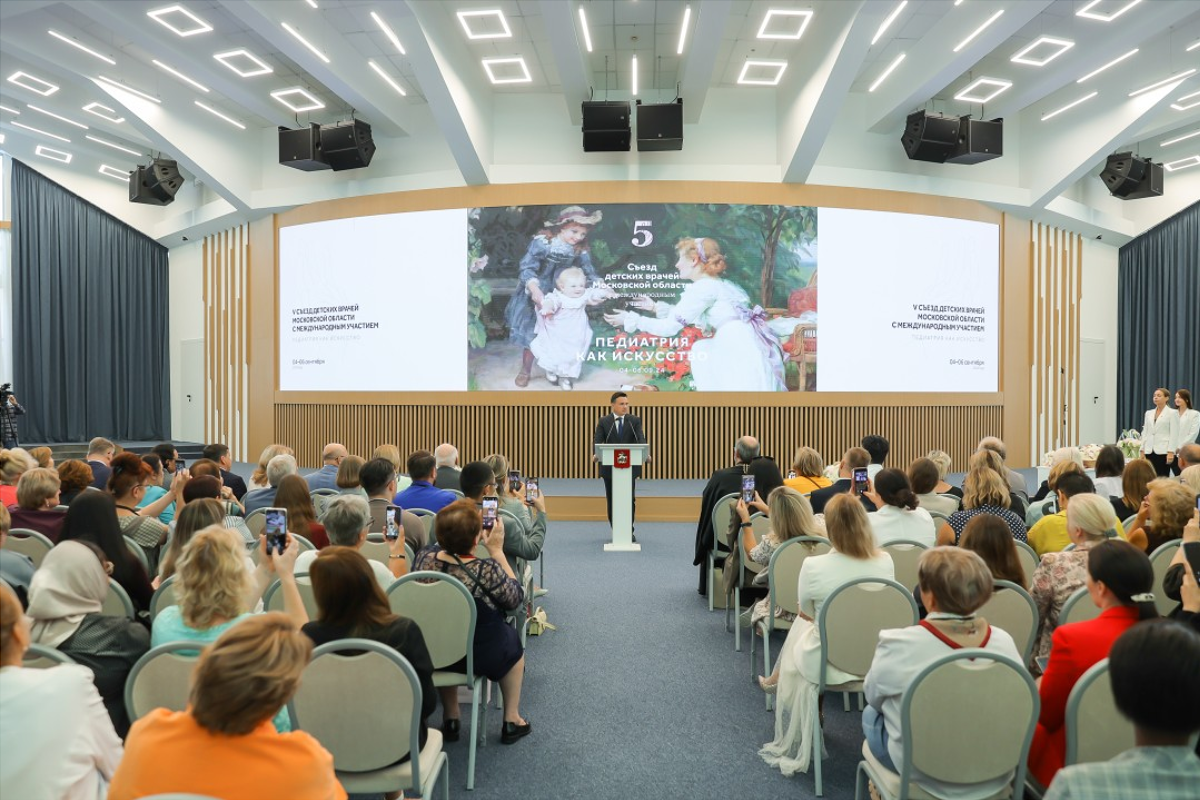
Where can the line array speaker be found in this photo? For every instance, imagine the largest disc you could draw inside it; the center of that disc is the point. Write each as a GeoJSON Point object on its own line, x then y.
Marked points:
{"type": "Point", "coordinates": [347, 145]}
{"type": "Point", "coordinates": [156, 184]}
{"type": "Point", "coordinates": [606, 126]}
{"type": "Point", "coordinates": [1131, 178]}
{"type": "Point", "coordinates": [301, 148]}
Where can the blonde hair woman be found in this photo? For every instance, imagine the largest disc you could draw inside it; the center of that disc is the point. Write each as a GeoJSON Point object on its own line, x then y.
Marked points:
{"type": "Point", "coordinates": [1164, 513]}
{"type": "Point", "coordinates": [810, 471]}
{"type": "Point", "coordinates": [37, 503]}
{"type": "Point", "coordinates": [391, 454]}
{"type": "Point", "coordinates": [854, 555]}
{"type": "Point", "coordinates": [258, 478]}
{"type": "Point", "coordinates": [985, 491]}
{"type": "Point", "coordinates": [13, 464]}
{"type": "Point", "coordinates": [942, 461]}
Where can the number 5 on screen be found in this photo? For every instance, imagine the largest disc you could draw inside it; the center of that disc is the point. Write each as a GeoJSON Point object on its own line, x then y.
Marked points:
{"type": "Point", "coordinates": [642, 237]}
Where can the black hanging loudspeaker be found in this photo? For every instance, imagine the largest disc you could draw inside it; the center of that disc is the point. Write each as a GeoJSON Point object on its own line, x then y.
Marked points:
{"type": "Point", "coordinates": [156, 184]}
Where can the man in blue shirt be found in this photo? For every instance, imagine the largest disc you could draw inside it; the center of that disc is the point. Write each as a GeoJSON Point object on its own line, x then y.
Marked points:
{"type": "Point", "coordinates": [422, 468]}
{"type": "Point", "coordinates": [331, 459]}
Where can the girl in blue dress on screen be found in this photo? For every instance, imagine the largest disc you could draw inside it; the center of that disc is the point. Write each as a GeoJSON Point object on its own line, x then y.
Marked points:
{"type": "Point", "coordinates": [562, 244]}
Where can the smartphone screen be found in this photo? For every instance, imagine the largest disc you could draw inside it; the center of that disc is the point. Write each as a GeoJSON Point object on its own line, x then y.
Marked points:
{"type": "Point", "coordinates": [791, 474]}
{"type": "Point", "coordinates": [747, 488]}
{"type": "Point", "coordinates": [490, 505]}
{"type": "Point", "coordinates": [391, 531]}
{"type": "Point", "coordinates": [180, 463]}
{"type": "Point", "coordinates": [531, 489]}
{"type": "Point", "coordinates": [514, 480]}
{"type": "Point", "coordinates": [275, 529]}
{"type": "Point", "coordinates": [860, 480]}
{"type": "Point", "coordinates": [1191, 550]}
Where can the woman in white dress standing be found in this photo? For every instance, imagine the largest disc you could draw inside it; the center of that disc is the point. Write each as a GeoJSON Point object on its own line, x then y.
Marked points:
{"type": "Point", "coordinates": [739, 332]}
{"type": "Point", "coordinates": [1159, 433]}
{"type": "Point", "coordinates": [1188, 427]}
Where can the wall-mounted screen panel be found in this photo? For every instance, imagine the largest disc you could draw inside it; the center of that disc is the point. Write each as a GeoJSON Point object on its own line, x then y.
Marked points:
{"type": "Point", "coordinates": [658, 297]}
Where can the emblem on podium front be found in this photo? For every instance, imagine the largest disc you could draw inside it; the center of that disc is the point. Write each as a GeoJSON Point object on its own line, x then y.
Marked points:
{"type": "Point", "coordinates": [621, 459]}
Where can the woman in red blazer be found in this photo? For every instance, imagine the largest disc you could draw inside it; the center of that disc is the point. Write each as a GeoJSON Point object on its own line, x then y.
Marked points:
{"type": "Point", "coordinates": [1119, 581]}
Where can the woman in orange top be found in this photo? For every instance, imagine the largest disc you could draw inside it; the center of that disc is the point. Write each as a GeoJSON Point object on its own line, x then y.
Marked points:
{"type": "Point", "coordinates": [224, 744]}
{"type": "Point", "coordinates": [807, 472]}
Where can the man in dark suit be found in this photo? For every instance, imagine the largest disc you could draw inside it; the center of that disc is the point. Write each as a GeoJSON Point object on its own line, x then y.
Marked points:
{"type": "Point", "coordinates": [220, 454]}
{"type": "Point", "coordinates": [619, 427]}
{"type": "Point", "coordinates": [855, 458]}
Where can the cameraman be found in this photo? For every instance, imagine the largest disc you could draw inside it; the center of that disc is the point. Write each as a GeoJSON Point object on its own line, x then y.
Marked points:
{"type": "Point", "coordinates": [9, 410]}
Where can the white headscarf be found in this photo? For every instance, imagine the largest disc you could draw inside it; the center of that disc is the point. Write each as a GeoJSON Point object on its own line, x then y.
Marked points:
{"type": "Point", "coordinates": [69, 585]}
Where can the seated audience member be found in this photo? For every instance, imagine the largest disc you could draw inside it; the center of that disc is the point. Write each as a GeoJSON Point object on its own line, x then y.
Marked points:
{"type": "Point", "coordinates": [195, 516]}
{"type": "Point", "coordinates": [37, 503]}
{"type": "Point", "coordinates": [1167, 508]}
{"type": "Point", "coordinates": [74, 476]}
{"type": "Point", "coordinates": [898, 513]}
{"type": "Point", "coordinates": [65, 598]}
{"type": "Point", "coordinates": [348, 481]}
{"type": "Point", "coordinates": [391, 454]}
{"type": "Point", "coordinates": [168, 456]}
{"type": "Point", "coordinates": [352, 605]}
{"type": "Point", "coordinates": [248, 674]}
{"type": "Point", "coordinates": [378, 479]}
{"type": "Point", "coordinates": [1190, 478]}
{"type": "Point", "coordinates": [15, 569]}
{"type": "Point", "coordinates": [422, 493]}
{"type": "Point", "coordinates": [1059, 575]}
{"type": "Point", "coordinates": [13, 464]}
{"type": "Point", "coordinates": [991, 459]}
{"type": "Point", "coordinates": [1135, 485]}
{"type": "Point", "coordinates": [56, 737]}
{"type": "Point", "coordinates": [984, 492]}
{"type": "Point", "coordinates": [1120, 582]}
{"type": "Point", "coordinates": [156, 489]}
{"type": "Point", "coordinates": [942, 459]}
{"type": "Point", "coordinates": [521, 545]}
{"type": "Point", "coordinates": [1060, 455]}
{"type": "Point", "coordinates": [43, 457]}
{"type": "Point", "coordinates": [213, 487]}
{"type": "Point", "coordinates": [878, 447]}
{"type": "Point", "coordinates": [923, 477]}
{"type": "Point", "coordinates": [219, 453]}
{"type": "Point", "coordinates": [1165, 712]}
{"type": "Point", "coordinates": [797, 669]}
{"type": "Point", "coordinates": [497, 648]}
{"type": "Point", "coordinates": [989, 538]}
{"type": "Point", "coordinates": [446, 456]}
{"type": "Point", "coordinates": [131, 478]}
{"type": "Point", "coordinates": [1037, 511]}
{"type": "Point", "coordinates": [1110, 466]}
{"type": "Point", "coordinates": [954, 584]}
{"type": "Point", "coordinates": [854, 458]}
{"type": "Point", "coordinates": [1188, 456]}
{"type": "Point", "coordinates": [512, 496]}
{"type": "Point", "coordinates": [258, 478]}
{"type": "Point", "coordinates": [347, 521]}
{"type": "Point", "coordinates": [747, 460]}
{"type": "Point", "coordinates": [93, 518]}
{"type": "Point", "coordinates": [326, 476]}
{"type": "Point", "coordinates": [278, 468]}
{"type": "Point", "coordinates": [301, 515]}
{"type": "Point", "coordinates": [810, 471]}
{"type": "Point", "coordinates": [1049, 535]}
{"type": "Point", "coordinates": [790, 516]}
{"type": "Point", "coordinates": [99, 457]}
{"type": "Point", "coordinates": [1016, 481]}
{"type": "Point", "coordinates": [1181, 584]}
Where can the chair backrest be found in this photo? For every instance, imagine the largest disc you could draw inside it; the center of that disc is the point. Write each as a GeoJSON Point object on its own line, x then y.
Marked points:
{"type": "Point", "coordinates": [760, 526]}
{"type": "Point", "coordinates": [362, 730]}
{"type": "Point", "coordinates": [28, 543]}
{"type": "Point", "coordinates": [428, 519]}
{"type": "Point", "coordinates": [139, 553]}
{"type": "Point", "coordinates": [39, 656]}
{"type": "Point", "coordinates": [905, 554]}
{"type": "Point", "coordinates": [1160, 559]}
{"type": "Point", "coordinates": [1128, 521]}
{"type": "Point", "coordinates": [305, 544]}
{"type": "Point", "coordinates": [375, 548]}
{"type": "Point", "coordinates": [256, 520]}
{"type": "Point", "coordinates": [1096, 731]}
{"type": "Point", "coordinates": [1014, 612]}
{"type": "Point", "coordinates": [457, 493]}
{"type": "Point", "coordinates": [324, 492]}
{"type": "Point", "coordinates": [161, 678]}
{"type": "Point", "coordinates": [444, 611]}
{"type": "Point", "coordinates": [273, 598]}
{"type": "Point", "coordinates": [163, 597]}
{"type": "Point", "coordinates": [783, 571]}
{"type": "Point", "coordinates": [950, 696]}
{"type": "Point", "coordinates": [117, 603]}
{"type": "Point", "coordinates": [1029, 561]}
{"type": "Point", "coordinates": [953, 498]}
{"type": "Point", "coordinates": [852, 617]}
{"type": "Point", "coordinates": [721, 514]}
{"type": "Point", "coordinates": [512, 521]}
{"type": "Point", "coordinates": [1078, 608]}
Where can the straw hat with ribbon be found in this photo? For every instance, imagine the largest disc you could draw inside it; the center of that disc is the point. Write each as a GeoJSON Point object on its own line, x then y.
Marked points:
{"type": "Point", "coordinates": [576, 214]}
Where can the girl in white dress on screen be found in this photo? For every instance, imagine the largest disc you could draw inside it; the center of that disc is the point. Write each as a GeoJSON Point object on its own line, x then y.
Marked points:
{"type": "Point", "coordinates": [1188, 427]}
{"type": "Point", "coordinates": [743, 353]}
{"type": "Point", "coordinates": [563, 333]}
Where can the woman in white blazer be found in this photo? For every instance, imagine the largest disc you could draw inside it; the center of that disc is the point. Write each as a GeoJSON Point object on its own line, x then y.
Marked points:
{"type": "Point", "coordinates": [1159, 433]}
{"type": "Point", "coordinates": [1188, 427]}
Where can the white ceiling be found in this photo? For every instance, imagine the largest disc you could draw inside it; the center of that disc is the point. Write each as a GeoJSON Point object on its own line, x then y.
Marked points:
{"type": "Point", "coordinates": [821, 124]}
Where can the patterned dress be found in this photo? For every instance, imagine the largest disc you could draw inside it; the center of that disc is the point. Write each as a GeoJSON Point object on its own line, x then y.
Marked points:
{"type": "Point", "coordinates": [1057, 577]}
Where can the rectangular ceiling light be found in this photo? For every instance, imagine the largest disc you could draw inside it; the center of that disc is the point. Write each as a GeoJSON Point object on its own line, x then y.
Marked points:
{"type": "Point", "coordinates": [179, 75]}
{"type": "Point", "coordinates": [311, 47]}
{"type": "Point", "coordinates": [113, 172]}
{"type": "Point", "coordinates": [1114, 62]}
{"type": "Point", "coordinates": [1183, 163]}
{"type": "Point", "coordinates": [129, 89]}
{"type": "Point", "coordinates": [763, 76]}
{"type": "Point", "coordinates": [113, 145]}
{"type": "Point", "coordinates": [887, 22]}
{"type": "Point", "coordinates": [979, 30]}
{"type": "Point", "coordinates": [387, 78]}
{"type": "Point", "coordinates": [52, 154]}
{"type": "Point", "coordinates": [687, 18]}
{"type": "Point", "coordinates": [996, 87]}
{"type": "Point", "coordinates": [104, 112]}
{"type": "Point", "coordinates": [388, 32]}
{"type": "Point", "coordinates": [886, 72]}
{"type": "Point", "coordinates": [485, 24]}
{"type": "Point", "coordinates": [587, 33]}
{"type": "Point", "coordinates": [41, 132]}
{"type": "Point", "coordinates": [78, 45]}
{"type": "Point", "coordinates": [506, 72]}
{"type": "Point", "coordinates": [1087, 13]}
{"type": "Point", "coordinates": [1057, 48]}
{"type": "Point", "coordinates": [256, 65]}
{"type": "Point", "coordinates": [1159, 84]}
{"type": "Point", "coordinates": [58, 117]}
{"type": "Point", "coordinates": [179, 21]}
{"type": "Point", "coordinates": [1179, 139]}
{"type": "Point", "coordinates": [794, 21]}
{"type": "Point", "coordinates": [308, 101]}
{"type": "Point", "coordinates": [10, 110]}
{"type": "Point", "coordinates": [1178, 105]}
{"type": "Point", "coordinates": [217, 113]}
{"type": "Point", "coordinates": [634, 86]}
{"type": "Point", "coordinates": [1068, 106]}
{"type": "Point", "coordinates": [33, 84]}
{"type": "Point", "coordinates": [312, 3]}
{"type": "Point", "coordinates": [1192, 46]}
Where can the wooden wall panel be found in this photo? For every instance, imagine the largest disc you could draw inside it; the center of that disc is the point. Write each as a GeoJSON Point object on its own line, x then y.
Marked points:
{"type": "Point", "coordinates": [226, 267]}
{"type": "Point", "coordinates": [1056, 287]}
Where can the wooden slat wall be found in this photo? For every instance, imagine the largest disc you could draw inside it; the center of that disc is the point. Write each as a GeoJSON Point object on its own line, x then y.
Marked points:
{"type": "Point", "coordinates": [688, 441]}
{"type": "Point", "coordinates": [227, 351]}
{"type": "Point", "coordinates": [1056, 286]}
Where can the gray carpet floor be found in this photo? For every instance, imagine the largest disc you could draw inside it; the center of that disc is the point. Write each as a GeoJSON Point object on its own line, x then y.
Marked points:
{"type": "Point", "coordinates": [639, 693]}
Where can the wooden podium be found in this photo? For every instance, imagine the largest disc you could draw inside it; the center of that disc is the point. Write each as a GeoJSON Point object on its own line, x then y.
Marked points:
{"type": "Point", "coordinates": [622, 458]}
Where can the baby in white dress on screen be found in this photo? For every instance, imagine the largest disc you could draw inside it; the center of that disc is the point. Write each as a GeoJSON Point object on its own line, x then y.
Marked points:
{"type": "Point", "coordinates": [563, 332]}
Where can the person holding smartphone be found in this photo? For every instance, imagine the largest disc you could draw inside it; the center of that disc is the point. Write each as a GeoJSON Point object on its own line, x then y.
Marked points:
{"type": "Point", "coordinates": [522, 543]}
{"type": "Point", "coordinates": [347, 522]}
{"type": "Point", "coordinates": [853, 476]}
